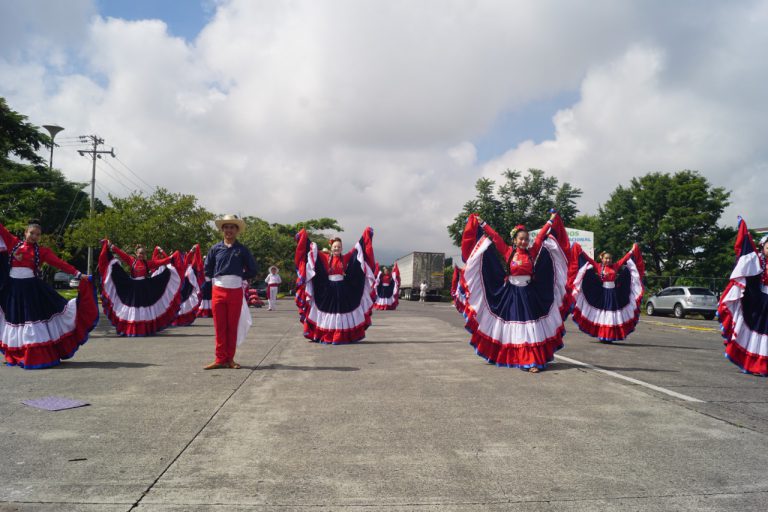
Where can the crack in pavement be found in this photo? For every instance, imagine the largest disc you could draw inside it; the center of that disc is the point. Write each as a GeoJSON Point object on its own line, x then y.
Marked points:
{"type": "Point", "coordinates": [210, 419]}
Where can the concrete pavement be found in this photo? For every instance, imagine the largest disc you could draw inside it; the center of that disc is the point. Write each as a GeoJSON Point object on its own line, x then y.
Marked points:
{"type": "Point", "coordinates": [409, 419]}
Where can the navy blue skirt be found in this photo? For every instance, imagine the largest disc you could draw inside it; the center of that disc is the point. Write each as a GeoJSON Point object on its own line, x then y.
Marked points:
{"type": "Point", "coordinates": [385, 291]}
{"type": "Point", "coordinates": [339, 296]}
{"type": "Point", "coordinates": [30, 300]}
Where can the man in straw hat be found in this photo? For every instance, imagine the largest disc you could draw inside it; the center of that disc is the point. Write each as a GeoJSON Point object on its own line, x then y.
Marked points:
{"type": "Point", "coordinates": [228, 263]}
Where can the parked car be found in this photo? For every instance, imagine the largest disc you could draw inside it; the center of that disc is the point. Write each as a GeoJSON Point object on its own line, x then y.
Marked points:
{"type": "Point", "coordinates": [62, 280]}
{"type": "Point", "coordinates": [683, 300]}
{"type": "Point", "coordinates": [74, 282]}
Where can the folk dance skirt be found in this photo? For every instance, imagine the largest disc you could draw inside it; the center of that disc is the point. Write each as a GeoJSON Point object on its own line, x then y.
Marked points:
{"type": "Point", "coordinates": [458, 294]}
{"type": "Point", "coordinates": [39, 327]}
{"type": "Point", "coordinates": [607, 311]}
{"type": "Point", "coordinates": [335, 312]}
{"type": "Point", "coordinates": [205, 310]}
{"type": "Point", "coordinates": [191, 298]}
{"type": "Point", "coordinates": [387, 295]}
{"type": "Point", "coordinates": [138, 307]}
{"type": "Point", "coordinates": [743, 309]}
{"type": "Point", "coordinates": [516, 326]}
{"type": "Point", "coordinates": [386, 299]}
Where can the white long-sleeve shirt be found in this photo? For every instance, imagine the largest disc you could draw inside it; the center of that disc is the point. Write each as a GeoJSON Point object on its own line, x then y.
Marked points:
{"type": "Point", "coordinates": [273, 279]}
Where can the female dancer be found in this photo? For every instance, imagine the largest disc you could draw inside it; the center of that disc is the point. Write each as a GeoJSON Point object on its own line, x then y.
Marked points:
{"type": "Point", "coordinates": [145, 301]}
{"type": "Point", "coordinates": [191, 295]}
{"type": "Point", "coordinates": [516, 314]}
{"type": "Point", "coordinates": [273, 281]}
{"type": "Point", "coordinates": [206, 292]}
{"type": "Point", "coordinates": [387, 287]}
{"type": "Point", "coordinates": [335, 291]}
{"type": "Point", "coordinates": [743, 309]}
{"type": "Point", "coordinates": [39, 327]}
{"type": "Point", "coordinates": [457, 290]}
{"type": "Point", "coordinates": [606, 296]}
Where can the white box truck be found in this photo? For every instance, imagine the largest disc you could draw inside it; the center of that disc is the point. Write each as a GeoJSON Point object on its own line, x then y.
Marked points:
{"type": "Point", "coordinates": [421, 266]}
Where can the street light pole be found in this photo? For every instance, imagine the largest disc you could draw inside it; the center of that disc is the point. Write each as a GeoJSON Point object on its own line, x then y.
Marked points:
{"type": "Point", "coordinates": [53, 130]}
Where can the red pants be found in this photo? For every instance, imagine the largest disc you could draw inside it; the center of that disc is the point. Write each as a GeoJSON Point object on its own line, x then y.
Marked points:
{"type": "Point", "coordinates": [226, 304]}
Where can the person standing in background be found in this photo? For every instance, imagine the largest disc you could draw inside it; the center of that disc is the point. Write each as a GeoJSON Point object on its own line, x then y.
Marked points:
{"type": "Point", "coordinates": [273, 283]}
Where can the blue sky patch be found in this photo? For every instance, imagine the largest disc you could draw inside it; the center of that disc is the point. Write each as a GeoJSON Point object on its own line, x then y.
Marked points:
{"type": "Point", "coordinates": [531, 121]}
{"type": "Point", "coordinates": [184, 18]}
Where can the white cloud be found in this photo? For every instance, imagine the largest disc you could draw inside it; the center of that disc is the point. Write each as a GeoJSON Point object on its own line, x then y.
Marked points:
{"type": "Point", "coordinates": [363, 111]}
{"type": "Point", "coordinates": [629, 122]}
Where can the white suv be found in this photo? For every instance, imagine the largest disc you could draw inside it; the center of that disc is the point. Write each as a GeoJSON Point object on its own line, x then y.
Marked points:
{"type": "Point", "coordinates": [683, 300]}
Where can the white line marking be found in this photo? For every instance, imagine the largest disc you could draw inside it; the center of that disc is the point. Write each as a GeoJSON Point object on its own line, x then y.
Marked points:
{"type": "Point", "coordinates": [630, 379]}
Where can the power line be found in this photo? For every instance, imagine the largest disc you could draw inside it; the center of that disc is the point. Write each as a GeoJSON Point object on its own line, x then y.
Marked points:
{"type": "Point", "coordinates": [64, 223]}
{"type": "Point", "coordinates": [131, 171]}
{"type": "Point", "coordinates": [119, 182]}
{"type": "Point", "coordinates": [105, 190]}
{"type": "Point", "coordinates": [74, 213]}
{"type": "Point", "coordinates": [127, 178]}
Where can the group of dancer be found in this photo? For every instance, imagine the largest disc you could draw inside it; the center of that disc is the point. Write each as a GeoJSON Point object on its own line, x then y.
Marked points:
{"type": "Point", "coordinates": [39, 328]}
{"type": "Point", "coordinates": [515, 297]}
{"type": "Point", "coordinates": [516, 312]}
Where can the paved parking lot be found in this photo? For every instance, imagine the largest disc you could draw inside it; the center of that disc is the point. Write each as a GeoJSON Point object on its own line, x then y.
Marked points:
{"type": "Point", "coordinates": [410, 419]}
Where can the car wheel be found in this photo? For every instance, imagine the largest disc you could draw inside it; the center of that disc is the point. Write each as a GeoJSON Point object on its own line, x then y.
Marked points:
{"type": "Point", "coordinates": [650, 309]}
{"type": "Point", "coordinates": [679, 311]}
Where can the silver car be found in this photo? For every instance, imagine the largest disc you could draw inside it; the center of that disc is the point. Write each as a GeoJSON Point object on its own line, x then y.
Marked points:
{"type": "Point", "coordinates": [683, 300]}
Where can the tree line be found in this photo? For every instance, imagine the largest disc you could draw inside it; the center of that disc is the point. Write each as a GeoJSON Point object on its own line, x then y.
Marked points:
{"type": "Point", "coordinates": [30, 190]}
{"type": "Point", "coordinates": [673, 216]}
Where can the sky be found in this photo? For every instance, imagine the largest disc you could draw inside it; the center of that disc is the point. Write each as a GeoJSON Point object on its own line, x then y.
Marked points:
{"type": "Point", "coordinates": [385, 113]}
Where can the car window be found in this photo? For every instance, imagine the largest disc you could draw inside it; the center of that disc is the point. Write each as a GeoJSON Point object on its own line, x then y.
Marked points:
{"type": "Point", "coordinates": [676, 291]}
{"type": "Point", "coordinates": [700, 291]}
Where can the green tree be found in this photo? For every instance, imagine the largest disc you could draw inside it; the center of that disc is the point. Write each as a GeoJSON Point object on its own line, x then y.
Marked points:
{"type": "Point", "coordinates": [518, 200]}
{"type": "Point", "coordinates": [29, 189]}
{"type": "Point", "coordinates": [275, 244]}
{"type": "Point", "coordinates": [39, 193]}
{"type": "Point", "coordinates": [172, 221]}
{"type": "Point", "coordinates": [674, 219]}
{"type": "Point", "coordinates": [587, 223]}
{"type": "Point", "coordinates": [18, 138]}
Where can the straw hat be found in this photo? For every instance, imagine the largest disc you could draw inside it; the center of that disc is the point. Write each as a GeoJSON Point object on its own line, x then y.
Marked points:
{"type": "Point", "coordinates": [231, 219]}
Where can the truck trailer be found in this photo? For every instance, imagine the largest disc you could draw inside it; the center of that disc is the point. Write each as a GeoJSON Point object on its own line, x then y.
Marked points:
{"type": "Point", "coordinates": [421, 266]}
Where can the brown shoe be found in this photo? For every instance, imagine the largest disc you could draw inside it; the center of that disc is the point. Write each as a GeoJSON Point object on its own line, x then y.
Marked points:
{"type": "Point", "coordinates": [533, 369]}
{"type": "Point", "coordinates": [214, 366]}
{"type": "Point", "coordinates": [234, 365]}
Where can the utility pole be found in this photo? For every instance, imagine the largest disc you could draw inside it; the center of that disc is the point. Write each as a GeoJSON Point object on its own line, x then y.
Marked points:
{"type": "Point", "coordinates": [95, 153]}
